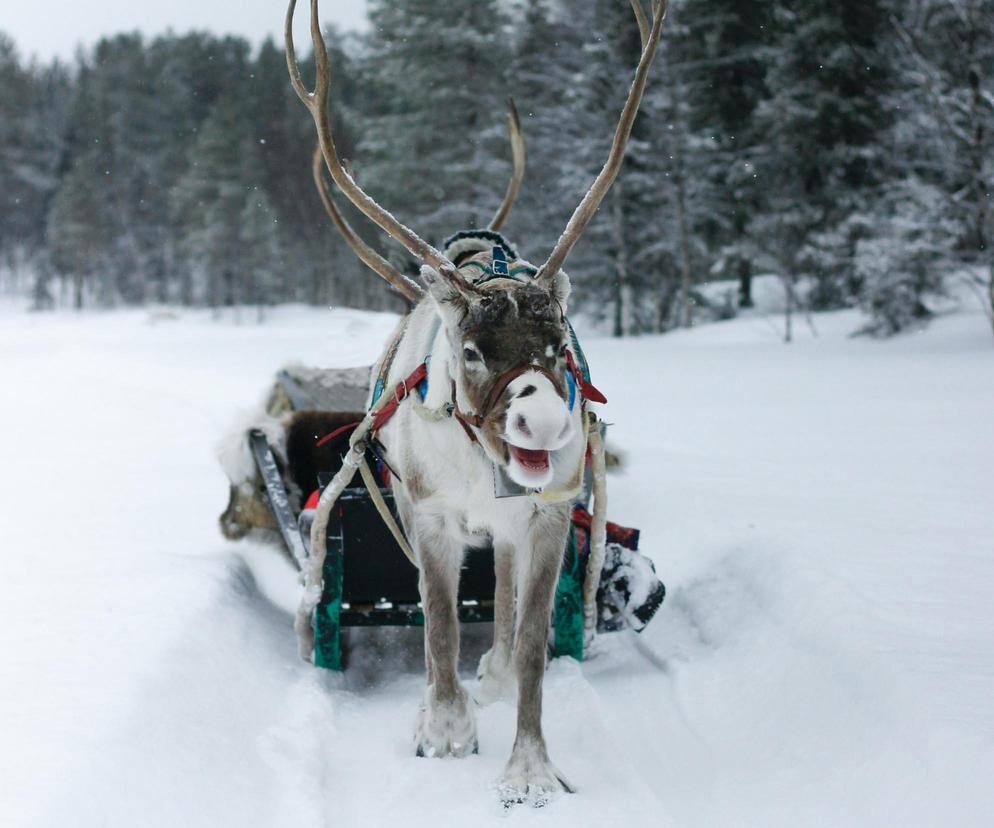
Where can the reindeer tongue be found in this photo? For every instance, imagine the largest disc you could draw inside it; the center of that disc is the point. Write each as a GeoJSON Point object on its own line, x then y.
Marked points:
{"type": "Point", "coordinates": [536, 460]}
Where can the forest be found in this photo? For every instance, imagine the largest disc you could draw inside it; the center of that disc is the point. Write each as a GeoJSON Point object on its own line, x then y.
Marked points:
{"type": "Point", "coordinates": [844, 147]}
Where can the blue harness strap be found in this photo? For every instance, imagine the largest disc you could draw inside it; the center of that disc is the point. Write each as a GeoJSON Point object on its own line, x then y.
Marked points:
{"type": "Point", "coordinates": [581, 360]}
{"type": "Point", "coordinates": [381, 380]}
{"type": "Point", "coordinates": [377, 391]}
{"type": "Point", "coordinates": [422, 386]}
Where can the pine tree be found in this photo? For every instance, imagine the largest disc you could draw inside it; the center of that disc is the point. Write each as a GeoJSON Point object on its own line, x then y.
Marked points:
{"type": "Point", "coordinates": [208, 204]}
{"type": "Point", "coordinates": [721, 52]}
{"type": "Point", "coordinates": [79, 229]}
{"type": "Point", "coordinates": [848, 145]}
{"type": "Point", "coordinates": [902, 255]}
{"type": "Point", "coordinates": [432, 148]}
{"type": "Point", "coordinates": [946, 135]}
{"type": "Point", "coordinates": [15, 93]}
{"type": "Point", "coordinates": [948, 63]}
{"type": "Point", "coordinates": [283, 135]}
{"type": "Point", "coordinates": [260, 253]}
{"type": "Point", "coordinates": [543, 80]}
{"type": "Point", "coordinates": [605, 267]}
{"type": "Point", "coordinates": [33, 111]}
{"type": "Point", "coordinates": [823, 129]}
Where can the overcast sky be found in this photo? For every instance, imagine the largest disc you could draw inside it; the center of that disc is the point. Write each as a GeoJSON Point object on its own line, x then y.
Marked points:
{"type": "Point", "coordinates": [54, 28]}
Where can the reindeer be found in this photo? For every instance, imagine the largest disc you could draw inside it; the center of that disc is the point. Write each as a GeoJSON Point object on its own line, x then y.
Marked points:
{"type": "Point", "coordinates": [491, 338]}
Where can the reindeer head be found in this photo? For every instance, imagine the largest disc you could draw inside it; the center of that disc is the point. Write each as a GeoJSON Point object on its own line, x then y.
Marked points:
{"type": "Point", "coordinates": [507, 339]}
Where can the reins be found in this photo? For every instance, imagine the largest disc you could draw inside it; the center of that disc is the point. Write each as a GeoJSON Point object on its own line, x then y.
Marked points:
{"type": "Point", "coordinates": [496, 390]}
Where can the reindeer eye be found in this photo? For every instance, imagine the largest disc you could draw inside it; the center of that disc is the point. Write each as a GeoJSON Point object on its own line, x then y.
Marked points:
{"type": "Point", "coordinates": [562, 351]}
{"type": "Point", "coordinates": [470, 355]}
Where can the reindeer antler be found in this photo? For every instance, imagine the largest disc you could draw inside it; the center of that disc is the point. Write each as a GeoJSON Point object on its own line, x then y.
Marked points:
{"type": "Point", "coordinates": [518, 160]}
{"type": "Point", "coordinates": [316, 103]}
{"type": "Point", "coordinates": [405, 286]}
{"type": "Point", "coordinates": [591, 201]}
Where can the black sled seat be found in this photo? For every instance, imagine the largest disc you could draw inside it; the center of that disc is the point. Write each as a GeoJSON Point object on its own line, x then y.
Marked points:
{"type": "Point", "coordinates": [379, 584]}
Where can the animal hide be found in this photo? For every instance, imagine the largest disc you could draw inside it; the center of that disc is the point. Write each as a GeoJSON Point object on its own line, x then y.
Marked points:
{"type": "Point", "coordinates": [331, 397]}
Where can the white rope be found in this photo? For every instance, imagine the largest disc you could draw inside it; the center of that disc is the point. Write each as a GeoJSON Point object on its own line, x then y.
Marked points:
{"type": "Point", "coordinates": [313, 576]}
{"type": "Point", "coordinates": [431, 415]}
{"type": "Point", "coordinates": [384, 510]}
{"type": "Point", "coordinates": [598, 530]}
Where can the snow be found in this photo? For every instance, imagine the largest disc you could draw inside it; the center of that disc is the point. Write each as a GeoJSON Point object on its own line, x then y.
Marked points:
{"type": "Point", "coordinates": [820, 513]}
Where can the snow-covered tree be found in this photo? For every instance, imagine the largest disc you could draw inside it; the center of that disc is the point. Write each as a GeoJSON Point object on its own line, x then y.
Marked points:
{"type": "Point", "coordinates": [543, 77]}
{"type": "Point", "coordinates": [79, 229]}
{"type": "Point", "coordinates": [433, 146]}
{"type": "Point", "coordinates": [261, 252]}
{"type": "Point", "coordinates": [946, 135]}
{"type": "Point", "coordinates": [208, 204]}
{"type": "Point", "coordinates": [812, 140]}
{"type": "Point", "coordinates": [33, 110]}
{"type": "Point", "coordinates": [822, 155]}
{"type": "Point", "coordinates": [613, 265]}
{"type": "Point", "coordinates": [722, 53]}
{"type": "Point", "coordinates": [902, 256]}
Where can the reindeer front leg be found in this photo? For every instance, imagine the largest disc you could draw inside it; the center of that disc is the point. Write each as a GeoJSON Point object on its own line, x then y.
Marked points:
{"type": "Point", "coordinates": [446, 724]}
{"type": "Point", "coordinates": [529, 774]}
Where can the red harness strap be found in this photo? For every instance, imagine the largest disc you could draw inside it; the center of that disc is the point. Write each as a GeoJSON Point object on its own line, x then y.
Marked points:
{"type": "Point", "coordinates": [400, 392]}
{"type": "Point", "coordinates": [587, 390]}
{"type": "Point", "coordinates": [335, 433]}
{"type": "Point", "coordinates": [403, 389]}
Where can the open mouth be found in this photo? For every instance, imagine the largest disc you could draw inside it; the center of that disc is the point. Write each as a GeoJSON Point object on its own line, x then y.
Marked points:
{"type": "Point", "coordinates": [532, 460]}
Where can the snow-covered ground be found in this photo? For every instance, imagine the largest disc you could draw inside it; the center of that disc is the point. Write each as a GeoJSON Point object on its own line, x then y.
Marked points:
{"type": "Point", "coordinates": [822, 514]}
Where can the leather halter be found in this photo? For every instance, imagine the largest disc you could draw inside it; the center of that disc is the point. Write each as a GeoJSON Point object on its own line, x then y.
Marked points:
{"type": "Point", "coordinates": [494, 394]}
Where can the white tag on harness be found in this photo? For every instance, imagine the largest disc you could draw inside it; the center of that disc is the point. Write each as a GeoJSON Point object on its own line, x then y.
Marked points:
{"type": "Point", "coordinates": [505, 487]}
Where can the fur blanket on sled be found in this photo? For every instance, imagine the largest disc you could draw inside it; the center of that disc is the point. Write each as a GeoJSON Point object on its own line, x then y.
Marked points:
{"type": "Point", "coordinates": [302, 405]}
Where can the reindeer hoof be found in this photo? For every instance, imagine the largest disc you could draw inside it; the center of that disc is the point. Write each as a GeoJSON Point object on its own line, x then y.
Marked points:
{"type": "Point", "coordinates": [530, 778]}
{"type": "Point", "coordinates": [535, 795]}
{"type": "Point", "coordinates": [497, 680]}
{"type": "Point", "coordinates": [446, 727]}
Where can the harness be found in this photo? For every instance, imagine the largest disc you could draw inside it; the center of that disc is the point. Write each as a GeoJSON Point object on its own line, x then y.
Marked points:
{"type": "Point", "coordinates": [575, 383]}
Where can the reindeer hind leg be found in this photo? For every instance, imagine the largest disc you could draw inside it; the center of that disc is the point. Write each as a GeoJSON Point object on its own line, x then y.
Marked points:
{"type": "Point", "coordinates": [496, 672]}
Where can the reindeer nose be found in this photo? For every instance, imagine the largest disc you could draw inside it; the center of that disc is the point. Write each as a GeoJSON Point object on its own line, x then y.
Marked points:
{"type": "Point", "coordinates": [535, 427]}
{"type": "Point", "coordinates": [521, 425]}
{"type": "Point", "coordinates": [537, 416]}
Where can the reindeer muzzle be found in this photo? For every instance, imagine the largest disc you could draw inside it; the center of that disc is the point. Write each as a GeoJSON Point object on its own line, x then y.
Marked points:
{"type": "Point", "coordinates": [497, 390]}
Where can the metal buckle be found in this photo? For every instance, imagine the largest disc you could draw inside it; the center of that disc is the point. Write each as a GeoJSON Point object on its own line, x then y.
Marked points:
{"type": "Point", "coordinates": [400, 387]}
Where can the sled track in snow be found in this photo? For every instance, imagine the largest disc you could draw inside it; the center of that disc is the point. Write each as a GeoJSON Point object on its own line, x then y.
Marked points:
{"type": "Point", "coordinates": [331, 748]}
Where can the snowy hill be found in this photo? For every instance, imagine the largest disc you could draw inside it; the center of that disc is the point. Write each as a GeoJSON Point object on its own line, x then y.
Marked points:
{"type": "Point", "coordinates": [820, 512]}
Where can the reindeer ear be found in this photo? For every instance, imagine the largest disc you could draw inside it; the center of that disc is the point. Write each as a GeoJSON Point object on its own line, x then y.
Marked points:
{"type": "Point", "coordinates": [560, 288]}
{"type": "Point", "coordinates": [447, 288]}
